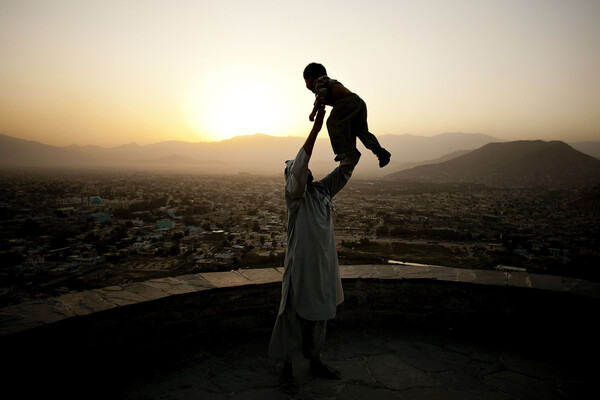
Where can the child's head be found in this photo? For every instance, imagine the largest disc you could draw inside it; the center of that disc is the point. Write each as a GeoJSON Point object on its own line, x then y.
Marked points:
{"type": "Point", "coordinates": [312, 72]}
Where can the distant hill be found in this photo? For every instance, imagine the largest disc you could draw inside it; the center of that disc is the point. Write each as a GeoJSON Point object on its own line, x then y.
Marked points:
{"type": "Point", "coordinates": [512, 164]}
{"type": "Point", "coordinates": [408, 165]}
{"type": "Point", "coordinates": [256, 153]}
{"type": "Point", "coordinates": [24, 153]}
{"type": "Point", "coordinates": [589, 148]}
{"type": "Point", "coordinates": [251, 153]}
{"type": "Point", "coordinates": [412, 148]}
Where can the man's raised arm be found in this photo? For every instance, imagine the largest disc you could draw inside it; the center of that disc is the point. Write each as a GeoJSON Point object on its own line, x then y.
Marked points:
{"type": "Point", "coordinates": [296, 179]}
{"type": "Point", "coordinates": [314, 132]}
{"type": "Point", "coordinates": [338, 178]}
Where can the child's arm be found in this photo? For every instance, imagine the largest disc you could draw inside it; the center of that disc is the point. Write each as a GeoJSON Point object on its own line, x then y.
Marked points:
{"type": "Point", "coordinates": [315, 110]}
{"type": "Point", "coordinates": [320, 90]}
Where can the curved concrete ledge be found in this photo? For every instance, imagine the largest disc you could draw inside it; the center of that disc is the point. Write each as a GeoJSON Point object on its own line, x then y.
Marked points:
{"type": "Point", "coordinates": [93, 342]}
{"type": "Point", "coordinates": [38, 313]}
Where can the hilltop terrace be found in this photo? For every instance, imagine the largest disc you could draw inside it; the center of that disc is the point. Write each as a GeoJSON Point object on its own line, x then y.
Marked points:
{"type": "Point", "coordinates": [404, 332]}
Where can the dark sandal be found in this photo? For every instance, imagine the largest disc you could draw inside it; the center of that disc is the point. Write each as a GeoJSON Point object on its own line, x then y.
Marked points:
{"type": "Point", "coordinates": [321, 370]}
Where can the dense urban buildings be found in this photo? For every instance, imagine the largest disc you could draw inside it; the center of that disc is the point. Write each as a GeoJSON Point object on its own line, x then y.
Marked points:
{"type": "Point", "coordinates": [64, 231]}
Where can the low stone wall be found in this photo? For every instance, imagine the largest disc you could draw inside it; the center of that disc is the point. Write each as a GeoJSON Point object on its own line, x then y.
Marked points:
{"type": "Point", "coordinates": [121, 324]}
{"type": "Point", "coordinates": [143, 297]}
{"type": "Point", "coordinates": [88, 343]}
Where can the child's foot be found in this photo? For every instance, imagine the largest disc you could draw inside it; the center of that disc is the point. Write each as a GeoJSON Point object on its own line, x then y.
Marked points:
{"type": "Point", "coordinates": [341, 156]}
{"type": "Point", "coordinates": [384, 158]}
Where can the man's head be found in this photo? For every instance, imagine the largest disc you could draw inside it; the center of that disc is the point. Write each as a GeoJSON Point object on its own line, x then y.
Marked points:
{"type": "Point", "coordinates": [312, 72]}
{"type": "Point", "coordinates": [288, 170]}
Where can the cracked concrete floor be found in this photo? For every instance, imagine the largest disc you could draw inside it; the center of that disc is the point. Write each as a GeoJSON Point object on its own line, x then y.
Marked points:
{"type": "Point", "coordinates": [376, 363]}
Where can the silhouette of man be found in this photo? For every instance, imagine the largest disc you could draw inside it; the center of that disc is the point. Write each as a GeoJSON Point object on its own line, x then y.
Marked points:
{"type": "Point", "coordinates": [311, 284]}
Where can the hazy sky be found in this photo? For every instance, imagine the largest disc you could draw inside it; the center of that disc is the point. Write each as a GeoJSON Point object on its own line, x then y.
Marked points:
{"type": "Point", "coordinates": [112, 72]}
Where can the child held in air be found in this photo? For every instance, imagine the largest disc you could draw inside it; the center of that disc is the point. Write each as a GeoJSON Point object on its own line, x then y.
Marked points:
{"type": "Point", "coordinates": [348, 118]}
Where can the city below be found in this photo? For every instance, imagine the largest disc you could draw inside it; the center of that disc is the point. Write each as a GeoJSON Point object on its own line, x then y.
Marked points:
{"type": "Point", "coordinates": [67, 231]}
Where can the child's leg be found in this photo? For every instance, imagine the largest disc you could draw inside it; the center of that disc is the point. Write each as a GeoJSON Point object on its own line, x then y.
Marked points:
{"type": "Point", "coordinates": [361, 130]}
{"type": "Point", "coordinates": [339, 127]}
{"type": "Point", "coordinates": [369, 141]}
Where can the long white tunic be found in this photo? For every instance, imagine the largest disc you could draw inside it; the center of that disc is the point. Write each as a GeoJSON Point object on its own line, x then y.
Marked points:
{"type": "Point", "coordinates": [311, 262]}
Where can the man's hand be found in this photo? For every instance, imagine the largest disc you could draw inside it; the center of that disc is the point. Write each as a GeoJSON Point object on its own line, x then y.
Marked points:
{"type": "Point", "coordinates": [312, 136]}
{"type": "Point", "coordinates": [315, 110]}
{"type": "Point", "coordinates": [319, 120]}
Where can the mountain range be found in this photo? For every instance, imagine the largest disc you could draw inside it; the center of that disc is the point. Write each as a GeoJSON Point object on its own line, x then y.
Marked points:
{"type": "Point", "coordinates": [552, 164]}
{"type": "Point", "coordinates": [264, 154]}
{"type": "Point", "coordinates": [256, 153]}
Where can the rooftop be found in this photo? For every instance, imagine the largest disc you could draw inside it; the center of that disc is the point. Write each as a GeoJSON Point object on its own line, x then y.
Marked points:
{"type": "Point", "coordinates": [404, 332]}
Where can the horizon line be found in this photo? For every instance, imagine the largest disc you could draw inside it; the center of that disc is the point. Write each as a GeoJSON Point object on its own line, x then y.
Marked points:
{"type": "Point", "coordinates": [282, 137]}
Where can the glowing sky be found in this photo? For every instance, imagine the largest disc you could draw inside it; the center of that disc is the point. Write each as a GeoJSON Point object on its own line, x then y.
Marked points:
{"type": "Point", "coordinates": [113, 72]}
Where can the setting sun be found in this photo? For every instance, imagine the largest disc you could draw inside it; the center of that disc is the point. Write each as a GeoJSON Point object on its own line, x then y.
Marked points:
{"type": "Point", "coordinates": [232, 103]}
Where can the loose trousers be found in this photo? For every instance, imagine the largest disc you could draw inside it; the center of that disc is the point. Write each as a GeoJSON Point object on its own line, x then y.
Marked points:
{"type": "Point", "coordinates": [347, 121]}
{"type": "Point", "coordinates": [292, 332]}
